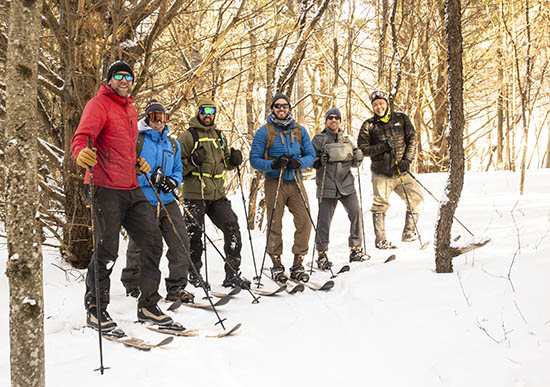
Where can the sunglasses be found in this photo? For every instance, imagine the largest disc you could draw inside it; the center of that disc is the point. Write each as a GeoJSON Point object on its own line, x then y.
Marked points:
{"type": "Point", "coordinates": [119, 76]}
{"type": "Point", "coordinates": [333, 118]}
{"type": "Point", "coordinates": [378, 94]}
{"type": "Point", "coordinates": [157, 117]}
{"type": "Point", "coordinates": [281, 106]}
{"type": "Point", "coordinates": [207, 110]}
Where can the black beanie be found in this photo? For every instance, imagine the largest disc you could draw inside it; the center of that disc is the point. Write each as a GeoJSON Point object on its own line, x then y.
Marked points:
{"type": "Point", "coordinates": [334, 111]}
{"type": "Point", "coordinates": [280, 96]}
{"type": "Point", "coordinates": [154, 106]}
{"type": "Point", "coordinates": [117, 66]}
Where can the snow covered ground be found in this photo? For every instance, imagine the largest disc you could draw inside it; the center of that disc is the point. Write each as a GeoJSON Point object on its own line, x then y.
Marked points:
{"type": "Point", "coordinates": [395, 324]}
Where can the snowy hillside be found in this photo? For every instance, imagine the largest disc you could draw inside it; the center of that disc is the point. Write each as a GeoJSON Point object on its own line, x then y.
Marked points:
{"type": "Point", "coordinates": [395, 324]}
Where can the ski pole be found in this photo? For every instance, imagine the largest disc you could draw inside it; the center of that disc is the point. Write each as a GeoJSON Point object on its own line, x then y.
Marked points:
{"type": "Point", "coordinates": [270, 225]}
{"type": "Point", "coordinates": [307, 209]}
{"type": "Point", "coordinates": [247, 225]}
{"type": "Point", "coordinates": [432, 195]}
{"type": "Point", "coordinates": [204, 225]}
{"type": "Point", "coordinates": [190, 215]}
{"type": "Point", "coordinates": [422, 246]}
{"type": "Point", "coordinates": [186, 251]}
{"type": "Point", "coordinates": [361, 208]}
{"type": "Point", "coordinates": [318, 217]}
{"type": "Point", "coordinates": [96, 269]}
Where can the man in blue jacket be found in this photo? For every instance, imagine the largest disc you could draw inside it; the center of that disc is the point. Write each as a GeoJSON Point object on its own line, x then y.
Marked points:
{"type": "Point", "coordinates": [281, 149]}
{"type": "Point", "coordinates": [163, 155]}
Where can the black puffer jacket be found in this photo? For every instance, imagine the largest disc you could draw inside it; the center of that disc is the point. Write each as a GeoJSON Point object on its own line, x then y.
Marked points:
{"type": "Point", "coordinates": [399, 130]}
{"type": "Point", "coordinates": [338, 179]}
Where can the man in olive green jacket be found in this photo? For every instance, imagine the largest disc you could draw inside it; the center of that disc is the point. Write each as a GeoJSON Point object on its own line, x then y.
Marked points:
{"type": "Point", "coordinates": [205, 156]}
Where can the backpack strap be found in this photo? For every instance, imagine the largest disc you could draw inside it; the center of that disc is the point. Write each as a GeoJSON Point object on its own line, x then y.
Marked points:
{"type": "Point", "coordinates": [272, 133]}
{"type": "Point", "coordinates": [141, 139]}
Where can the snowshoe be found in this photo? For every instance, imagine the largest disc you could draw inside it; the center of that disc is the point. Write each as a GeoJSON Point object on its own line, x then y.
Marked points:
{"type": "Point", "coordinates": [154, 315]}
{"type": "Point", "coordinates": [195, 280]}
{"type": "Point", "coordinates": [107, 323]}
{"type": "Point", "coordinates": [357, 255]}
{"type": "Point", "coordinates": [385, 245]}
{"type": "Point", "coordinates": [236, 282]}
{"type": "Point", "coordinates": [322, 261]}
{"type": "Point", "coordinates": [298, 273]}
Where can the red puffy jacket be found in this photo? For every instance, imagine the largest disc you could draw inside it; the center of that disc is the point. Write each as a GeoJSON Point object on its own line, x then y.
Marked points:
{"type": "Point", "coordinates": [111, 122]}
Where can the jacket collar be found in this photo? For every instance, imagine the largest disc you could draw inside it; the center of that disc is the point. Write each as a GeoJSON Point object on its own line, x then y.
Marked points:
{"type": "Point", "coordinates": [109, 92]}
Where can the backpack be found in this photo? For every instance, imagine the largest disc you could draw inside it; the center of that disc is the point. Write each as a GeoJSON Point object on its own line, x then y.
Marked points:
{"type": "Point", "coordinates": [295, 133]}
{"type": "Point", "coordinates": [197, 140]}
{"type": "Point", "coordinates": [141, 138]}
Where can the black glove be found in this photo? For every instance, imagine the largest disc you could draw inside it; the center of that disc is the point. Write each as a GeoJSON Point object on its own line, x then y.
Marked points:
{"type": "Point", "coordinates": [323, 158]}
{"type": "Point", "coordinates": [198, 156]}
{"type": "Point", "coordinates": [168, 184]}
{"type": "Point", "coordinates": [157, 177]}
{"type": "Point", "coordinates": [236, 157]}
{"type": "Point", "coordinates": [387, 146]}
{"type": "Point", "coordinates": [281, 162]}
{"type": "Point", "coordinates": [294, 164]}
{"type": "Point", "coordinates": [404, 165]}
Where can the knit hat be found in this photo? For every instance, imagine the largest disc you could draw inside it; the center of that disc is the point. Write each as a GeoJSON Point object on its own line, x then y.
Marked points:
{"type": "Point", "coordinates": [117, 66]}
{"type": "Point", "coordinates": [154, 106]}
{"type": "Point", "coordinates": [378, 94]}
{"type": "Point", "coordinates": [205, 101]}
{"type": "Point", "coordinates": [334, 111]}
{"type": "Point", "coordinates": [280, 96]}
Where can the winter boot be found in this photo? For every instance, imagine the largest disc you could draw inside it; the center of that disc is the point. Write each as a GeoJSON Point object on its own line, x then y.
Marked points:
{"type": "Point", "coordinates": [133, 292]}
{"type": "Point", "coordinates": [380, 241]}
{"type": "Point", "coordinates": [180, 294]}
{"type": "Point", "coordinates": [409, 232]}
{"type": "Point", "coordinates": [235, 281]}
{"type": "Point", "coordinates": [154, 315]}
{"type": "Point", "coordinates": [298, 273]}
{"type": "Point", "coordinates": [195, 280]}
{"type": "Point", "coordinates": [107, 323]}
{"type": "Point", "coordinates": [356, 254]}
{"type": "Point", "coordinates": [278, 270]}
{"type": "Point", "coordinates": [322, 261]}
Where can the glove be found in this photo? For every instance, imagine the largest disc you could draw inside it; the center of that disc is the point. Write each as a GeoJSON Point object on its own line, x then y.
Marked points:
{"type": "Point", "coordinates": [281, 162]}
{"type": "Point", "coordinates": [168, 184]}
{"type": "Point", "coordinates": [87, 158]}
{"type": "Point", "coordinates": [236, 157]}
{"type": "Point", "coordinates": [198, 156]}
{"type": "Point", "coordinates": [404, 165]}
{"type": "Point", "coordinates": [324, 157]}
{"type": "Point", "coordinates": [142, 166]}
{"type": "Point", "coordinates": [294, 164]}
{"type": "Point", "coordinates": [357, 155]}
{"type": "Point", "coordinates": [387, 146]}
{"type": "Point", "coordinates": [157, 177]}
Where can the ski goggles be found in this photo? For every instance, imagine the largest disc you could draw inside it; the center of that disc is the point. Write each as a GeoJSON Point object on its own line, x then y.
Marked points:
{"type": "Point", "coordinates": [119, 76]}
{"type": "Point", "coordinates": [378, 94]}
{"type": "Point", "coordinates": [207, 110]}
{"type": "Point", "coordinates": [157, 117]}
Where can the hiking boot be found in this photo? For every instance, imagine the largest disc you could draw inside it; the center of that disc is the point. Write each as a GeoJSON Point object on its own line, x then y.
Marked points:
{"type": "Point", "coordinates": [235, 281]}
{"type": "Point", "coordinates": [107, 323]}
{"type": "Point", "coordinates": [154, 315]}
{"type": "Point", "coordinates": [322, 261]}
{"type": "Point", "coordinates": [181, 294]}
{"type": "Point", "coordinates": [409, 233]}
{"type": "Point", "coordinates": [298, 259]}
{"type": "Point", "coordinates": [298, 273]}
{"type": "Point", "coordinates": [278, 273]}
{"type": "Point", "coordinates": [356, 254]}
{"type": "Point", "coordinates": [195, 280]}
{"type": "Point", "coordinates": [380, 241]}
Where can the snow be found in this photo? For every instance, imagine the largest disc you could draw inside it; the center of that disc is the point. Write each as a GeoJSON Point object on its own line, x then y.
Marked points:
{"type": "Point", "coordinates": [395, 324]}
{"type": "Point", "coordinates": [29, 301]}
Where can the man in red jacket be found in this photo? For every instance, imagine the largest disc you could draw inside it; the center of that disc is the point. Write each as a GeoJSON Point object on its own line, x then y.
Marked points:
{"type": "Point", "coordinates": [110, 121]}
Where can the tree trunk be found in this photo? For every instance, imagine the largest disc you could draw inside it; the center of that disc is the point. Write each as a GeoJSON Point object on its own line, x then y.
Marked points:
{"type": "Point", "coordinates": [24, 266]}
{"type": "Point", "coordinates": [443, 252]}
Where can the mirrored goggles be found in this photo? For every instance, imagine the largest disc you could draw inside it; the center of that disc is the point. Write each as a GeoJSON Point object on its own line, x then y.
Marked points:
{"type": "Point", "coordinates": [204, 110]}
{"type": "Point", "coordinates": [157, 117]}
{"type": "Point", "coordinates": [119, 76]}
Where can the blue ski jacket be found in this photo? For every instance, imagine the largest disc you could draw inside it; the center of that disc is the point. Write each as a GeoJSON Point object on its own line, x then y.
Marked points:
{"type": "Point", "coordinates": [303, 152]}
{"type": "Point", "coordinates": [159, 152]}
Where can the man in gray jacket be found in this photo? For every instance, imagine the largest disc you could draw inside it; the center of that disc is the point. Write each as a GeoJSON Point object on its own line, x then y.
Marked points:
{"type": "Point", "coordinates": [336, 155]}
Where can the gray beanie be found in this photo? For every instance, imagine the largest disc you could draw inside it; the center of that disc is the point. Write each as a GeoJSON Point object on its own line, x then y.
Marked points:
{"type": "Point", "coordinates": [117, 66]}
{"type": "Point", "coordinates": [334, 111]}
{"type": "Point", "coordinates": [154, 106]}
{"type": "Point", "coordinates": [280, 96]}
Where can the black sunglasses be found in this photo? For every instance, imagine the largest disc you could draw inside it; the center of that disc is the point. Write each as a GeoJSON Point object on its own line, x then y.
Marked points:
{"type": "Point", "coordinates": [333, 118]}
{"type": "Point", "coordinates": [281, 106]}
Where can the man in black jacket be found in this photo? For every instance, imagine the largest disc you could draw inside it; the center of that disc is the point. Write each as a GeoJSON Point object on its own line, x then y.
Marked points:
{"type": "Point", "coordinates": [336, 155]}
{"type": "Point", "coordinates": [389, 139]}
